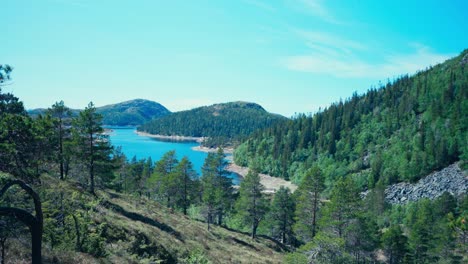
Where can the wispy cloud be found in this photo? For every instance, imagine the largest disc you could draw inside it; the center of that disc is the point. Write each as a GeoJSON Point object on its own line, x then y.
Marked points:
{"type": "Point", "coordinates": [322, 40]}
{"type": "Point", "coordinates": [344, 65]}
{"type": "Point", "coordinates": [319, 10]}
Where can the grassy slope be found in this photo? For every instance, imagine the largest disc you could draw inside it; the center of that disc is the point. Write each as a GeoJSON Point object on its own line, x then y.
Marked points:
{"type": "Point", "coordinates": [157, 232]}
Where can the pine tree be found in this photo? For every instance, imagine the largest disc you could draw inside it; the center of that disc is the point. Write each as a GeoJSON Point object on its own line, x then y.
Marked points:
{"type": "Point", "coordinates": [185, 178]}
{"type": "Point", "coordinates": [308, 204]}
{"type": "Point", "coordinates": [281, 215]}
{"type": "Point", "coordinates": [61, 116]}
{"type": "Point", "coordinates": [251, 206]}
{"type": "Point", "coordinates": [92, 144]}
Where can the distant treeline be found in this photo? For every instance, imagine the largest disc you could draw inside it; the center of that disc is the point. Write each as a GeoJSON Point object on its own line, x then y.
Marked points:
{"type": "Point", "coordinates": [224, 124]}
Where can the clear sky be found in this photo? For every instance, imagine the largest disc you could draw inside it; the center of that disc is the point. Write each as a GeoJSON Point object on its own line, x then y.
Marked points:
{"type": "Point", "coordinates": [290, 56]}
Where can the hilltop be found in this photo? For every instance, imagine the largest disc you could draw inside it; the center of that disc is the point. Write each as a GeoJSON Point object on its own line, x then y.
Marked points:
{"type": "Point", "coordinates": [129, 113]}
{"type": "Point", "coordinates": [224, 124]}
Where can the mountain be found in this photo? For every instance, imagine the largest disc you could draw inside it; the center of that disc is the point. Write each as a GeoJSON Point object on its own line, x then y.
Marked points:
{"type": "Point", "coordinates": [399, 132]}
{"type": "Point", "coordinates": [129, 113]}
{"type": "Point", "coordinates": [224, 123]}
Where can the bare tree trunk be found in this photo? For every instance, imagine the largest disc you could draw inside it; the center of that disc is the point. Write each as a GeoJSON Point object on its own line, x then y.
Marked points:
{"type": "Point", "coordinates": [35, 223]}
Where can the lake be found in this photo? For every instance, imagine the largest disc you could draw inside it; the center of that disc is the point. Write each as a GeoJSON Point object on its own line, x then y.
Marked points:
{"type": "Point", "coordinates": [143, 147]}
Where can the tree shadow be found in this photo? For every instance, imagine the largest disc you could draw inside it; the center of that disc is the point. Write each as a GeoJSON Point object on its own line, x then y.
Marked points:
{"type": "Point", "coordinates": [146, 220]}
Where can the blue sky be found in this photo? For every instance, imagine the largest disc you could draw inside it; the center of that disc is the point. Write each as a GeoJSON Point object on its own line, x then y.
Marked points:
{"type": "Point", "coordinates": [290, 56]}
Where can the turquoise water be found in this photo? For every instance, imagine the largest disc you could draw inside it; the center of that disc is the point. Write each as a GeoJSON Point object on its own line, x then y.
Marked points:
{"type": "Point", "coordinates": [143, 147]}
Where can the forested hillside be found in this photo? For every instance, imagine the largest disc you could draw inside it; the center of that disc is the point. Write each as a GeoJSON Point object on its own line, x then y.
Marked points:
{"type": "Point", "coordinates": [129, 113]}
{"type": "Point", "coordinates": [397, 132]}
{"type": "Point", "coordinates": [223, 123]}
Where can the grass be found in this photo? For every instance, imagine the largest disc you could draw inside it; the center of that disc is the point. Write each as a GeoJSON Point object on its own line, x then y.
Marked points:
{"type": "Point", "coordinates": [138, 230]}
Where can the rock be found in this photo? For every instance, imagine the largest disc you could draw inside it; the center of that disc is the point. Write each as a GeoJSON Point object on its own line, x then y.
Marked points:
{"type": "Point", "coordinates": [451, 179]}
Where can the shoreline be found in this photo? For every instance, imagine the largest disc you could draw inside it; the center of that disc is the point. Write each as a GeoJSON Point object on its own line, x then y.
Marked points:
{"type": "Point", "coordinates": [172, 138]}
{"type": "Point", "coordinates": [212, 150]}
{"type": "Point", "coordinates": [272, 184]}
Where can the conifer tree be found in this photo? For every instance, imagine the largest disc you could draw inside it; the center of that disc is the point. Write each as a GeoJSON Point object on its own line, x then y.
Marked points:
{"type": "Point", "coordinates": [308, 204]}
{"type": "Point", "coordinates": [61, 116]}
{"type": "Point", "coordinates": [251, 205]}
{"type": "Point", "coordinates": [281, 215]}
{"type": "Point", "coordinates": [92, 144]}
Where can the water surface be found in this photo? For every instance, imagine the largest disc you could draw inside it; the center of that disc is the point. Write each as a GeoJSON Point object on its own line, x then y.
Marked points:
{"type": "Point", "coordinates": [143, 147]}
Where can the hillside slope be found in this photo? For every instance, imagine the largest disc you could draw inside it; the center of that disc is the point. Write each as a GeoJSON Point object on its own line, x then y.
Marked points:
{"type": "Point", "coordinates": [129, 113]}
{"type": "Point", "coordinates": [399, 132]}
{"type": "Point", "coordinates": [223, 123]}
{"type": "Point", "coordinates": [119, 228]}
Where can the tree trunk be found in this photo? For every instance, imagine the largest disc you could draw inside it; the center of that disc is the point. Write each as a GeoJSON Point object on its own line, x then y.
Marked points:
{"type": "Point", "coordinates": [78, 236]}
{"type": "Point", "coordinates": [254, 229]}
{"type": "Point", "coordinates": [91, 164]}
{"type": "Point", "coordinates": [314, 214]}
{"type": "Point", "coordinates": [61, 150]}
{"type": "Point", "coordinates": [36, 243]}
{"type": "Point", "coordinates": [35, 223]}
{"type": "Point", "coordinates": [3, 244]}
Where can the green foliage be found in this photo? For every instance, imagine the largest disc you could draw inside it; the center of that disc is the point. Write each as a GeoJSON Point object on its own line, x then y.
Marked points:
{"type": "Point", "coordinates": [281, 216]}
{"type": "Point", "coordinates": [401, 131]}
{"type": "Point", "coordinates": [92, 145]}
{"type": "Point", "coordinates": [196, 257]}
{"type": "Point", "coordinates": [131, 113]}
{"type": "Point", "coordinates": [308, 204]}
{"type": "Point", "coordinates": [251, 206]}
{"type": "Point", "coordinates": [395, 244]}
{"type": "Point", "coordinates": [224, 124]}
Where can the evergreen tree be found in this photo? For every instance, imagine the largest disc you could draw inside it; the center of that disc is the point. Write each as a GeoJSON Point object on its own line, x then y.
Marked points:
{"type": "Point", "coordinates": [223, 184]}
{"type": "Point", "coordinates": [61, 115]}
{"type": "Point", "coordinates": [395, 244]}
{"type": "Point", "coordinates": [162, 179]}
{"type": "Point", "coordinates": [251, 206]}
{"type": "Point", "coordinates": [308, 204]}
{"type": "Point", "coordinates": [185, 181]}
{"type": "Point", "coordinates": [281, 215]}
{"type": "Point", "coordinates": [92, 144]}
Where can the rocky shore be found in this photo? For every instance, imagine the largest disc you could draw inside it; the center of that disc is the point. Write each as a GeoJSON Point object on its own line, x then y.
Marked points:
{"type": "Point", "coordinates": [451, 179]}
{"type": "Point", "coordinates": [272, 184]}
{"type": "Point", "coordinates": [171, 138]}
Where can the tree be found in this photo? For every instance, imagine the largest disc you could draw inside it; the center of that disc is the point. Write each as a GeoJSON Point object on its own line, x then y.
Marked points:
{"type": "Point", "coordinates": [343, 208]}
{"type": "Point", "coordinates": [92, 144]}
{"type": "Point", "coordinates": [281, 215]}
{"type": "Point", "coordinates": [61, 114]}
{"type": "Point", "coordinates": [17, 137]}
{"type": "Point", "coordinates": [308, 204]}
{"type": "Point", "coordinates": [185, 178]}
{"type": "Point", "coordinates": [34, 222]}
{"type": "Point", "coordinates": [5, 71]}
{"type": "Point", "coordinates": [223, 185]}
{"type": "Point", "coordinates": [251, 206]}
{"type": "Point", "coordinates": [395, 244]}
{"type": "Point", "coordinates": [162, 178]}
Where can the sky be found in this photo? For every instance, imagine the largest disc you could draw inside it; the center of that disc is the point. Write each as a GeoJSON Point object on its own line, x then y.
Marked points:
{"type": "Point", "coordinates": [290, 56]}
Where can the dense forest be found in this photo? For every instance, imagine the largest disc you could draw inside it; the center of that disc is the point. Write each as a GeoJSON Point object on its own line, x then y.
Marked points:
{"type": "Point", "coordinates": [129, 113]}
{"type": "Point", "coordinates": [400, 131]}
{"type": "Point", "coordinates": [92, 204]}
{"type": "Point", "coordinates": [223, 124]}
